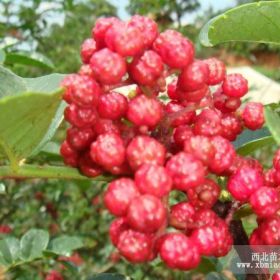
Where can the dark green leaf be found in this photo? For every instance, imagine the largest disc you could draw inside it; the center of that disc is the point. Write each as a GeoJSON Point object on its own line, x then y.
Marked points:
{"type": "Point", "coordinates": [31, 59]}
{"type": "Point", "coordinates": [206, 266]}
{"type": "Point", "coordinates": [109, 276]}
{"type": "Point", "coordinates": [272, 120]}
{"type": "Point", "coordinates": [253, 22]}
{"type": "Point", "coordinates": [65, 245]}
{"type": "Point", "coordinates": [33, 243]}
{"type": "Point", "coordinates": [215, 276]}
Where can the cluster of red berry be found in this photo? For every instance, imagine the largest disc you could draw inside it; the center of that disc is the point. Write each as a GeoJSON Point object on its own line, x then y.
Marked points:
{"type": "Point", "coordinates": [161, 143]}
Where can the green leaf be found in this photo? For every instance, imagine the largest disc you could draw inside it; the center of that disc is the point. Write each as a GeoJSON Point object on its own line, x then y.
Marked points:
{"type": "Point", "coordinates": [109, 276]}
{"type": "Point", "coordinates": [215, 276]}
{"type": "Point", "coordinates": [255, 145]}
{"type": "Point", "coordinates": [253, 22]}
{"type": "Point", "coordinates": [6, 258]}
{"type": "Point", "coordinates": [65, 245]}
{"type": "Point", "coordinates": [206, 266]}
{"type": "Point", "coordinates": [27, 122]}
{"type": "Point", "coordinates": [30, 59]}
{"type": "Point", "coordinates": [2, 56]}
{"type": "Point", "coordinates": [272, 120]}
{"type": "Point", "coordinates": [33, 243]}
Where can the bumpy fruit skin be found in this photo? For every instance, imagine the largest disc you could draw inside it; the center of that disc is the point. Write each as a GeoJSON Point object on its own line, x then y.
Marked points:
{"type": "Point", "coordinates": [255, 238]}
{"type": "Point", "coordinates": [80, 138]}
{"type": "Point", "coordinates": [146, 213]}
{"type": "Point", "coordinates": [108, 150]}
{"type": "Point", "coordinates": [205, 217]}
{"type": "Point", "coordinates": [88, 167]}
{"type": "Point", "coordinates": [80, 117]}
{"type": "Point", "coordinates": [181, 134]}
{"type": "Point", "coordinates": [54, 275]}
{"type": "Point", "coordinates": [124, 38]}
{"type": "Point", "coordinates": [178, 252]}
{"type": "Point", "coordinates": [102, 25]}
{"type": "Point", "coordinates": [119, 195]}
{"type": "Point", "coordinates": [181, 215]}
{"type": "Point", "coordinates": [135, 246]}
{"type": "Point", "coordinates": [217, 71]}
{"type": "Point", "coordinates": [269, 231]}
{"type": "Point", "coordinates": [224, 103]}
{"type": "Point", "coordinates": [193, 96]}
{"type": "Point", "coordinates": [276, 160]}
{"type": "Point", "coordinates": [81, 90]}
{"type": "Point", "coordinates": [265, 201]}
{"type": "Point", "coordinates": [116, 228]}
{"type": "Point", "coordinates": [147, 26]}
{"type": "Point", "coordinates": [224, 155]}
{"type": "Point", "coordinates": [253, 115]}
{"type": "Point", "coordinates": [244, 183]}
{"type": "Point", "coordinates": [270, 178]}
{"type": "Point", "coordinates": [144, 149]}
{"type": "Point", "coordinates": [208, 123]}
{"type": "Point", "coordinates": [186, 171]}
{"type": "Point", "coordinates": [146, 111]}
{"type": "Point", "coordinates": [235, 85]}
{"type": "Point", "coordinates": [103, 126]}
{"type": "Point", "coordinates": [88, 48]}
{"type": "Point", "coordinates": [276, 275]}
{"type": "Point", "coordinates": [146, 69]}
{"type": "Point", "coordinates": [194, 76]}
{"type": "Point", "coordinates": [177, 117]}
{"type": "Point", "coordinates": [153, 179]}
{"type": "Point", "coordinates": [231, 126]}
{"type": "Point", "coordinates": [175, 50]}
{"type": "Point", "coordinates": [240, 162]}
{"type": "Point", "coordinates": [201, 147]}
{"type": "Point", "coordinates": [69, 154]}
{"type": "Point", "coordinates": [172, 90]}
{"type": "Point", "coordinates": [112, 106]}
{"type": "Point", "coordinates": [204, 195]}
{"type": "Point", "coordinates": [108, 67]}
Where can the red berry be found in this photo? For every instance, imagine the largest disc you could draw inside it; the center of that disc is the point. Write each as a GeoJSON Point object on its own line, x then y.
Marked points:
{"type": "Point", "coordinates": [88, 167]}
{"type": "Point", "coordinates": [186, 171]}
{"type": "Point", "coordinates": [270, 231]}
{"type": "Point", "coordinates": [102, 25]}
{"type": "Point", "coordinates": [70, 155]}
{"type": "Point", "coordinates": [205, 217]}
{"type": "Point", "coordinates": [108, 67]}
{"type": "Point", "coordinates": [177, 115]}
{"type": "Point", "coordinates": [255, 238]}
{"type": "Point", "coordinates": [5, 229]}
{"type": "Point", "coordinates": [119, 195]}
{"type": "Point", "coordinates": [146, 213]}
{"type": "Point", "coordinates": [204, 195]}
{"type": "Point", "coordinates": [143, 110]}
{"type": "Point", "coordinates": [208, 123]}
{"type": "Point", "coordinates": [194, 76]}
{"type": "Point", "coordinates": [224, 155]}
{"type": "Point", "coordinates": [253, 115]}
{"type": "Point", "coordinates": [181, 134]}
{"type": "Point", "coordinates": [118, 226]}
{"type": "Point", "coordinates": [54, 275]}
{"type": "Point", "coordinates": [172, 91]}
{"type": "Point", "coordinates": [175, 50]}
{"type": "Point", "coordinates": [112, 106]}
{"type": "Point", "coordinates": [276, 160]}
{"type": "Point", "coordinates": [193, 96]}
{"type": "Point", "coordinates": [144, 149]}
{"type": "Point", "coordinates": [86, 70]}
{"type": "Point", "coordinates": [265, 201]}
{"type": "Point", "coordinates": [231, 127]}
{"type": "Point", "coordinates": [240, 162]}
{"type": "Point", "coordinates": [270, 178]}
{"type": "Point", "coordinates": [80, 117]}
{"type": "Point", "coordinates": [135, 246]}
{"type": "Point", "coordinates": [88, 48]}
{"type": "Point", "coordinates": [276, 275]}
{"type": "Point", "coordinates": [178, 252]}
{"type": "Point", "coordinates": [235, 85]}
{"type": "Point", "coordinates": [201, 147]}
{"type": "Point", "coordinates": [224, 103]}
{"type": "Point", "coordinates": [146, 69]}
{"type": "Point", "coordinates": [148, 28]}
{"type": "Point", "coordinates": [103, 126]}
{"type": "Point", "coordinates": [181, 215]}
{"type": "Point", "coordinates": [153, 179]}
{"type": "Point", "coordinates": [108, 150]}
{"type": "Point", "coordinates": [244, 182]}
{"type": "Point", "coordinates": [217, 70]}
{"type": "Point", "coordinates": [80, 138]}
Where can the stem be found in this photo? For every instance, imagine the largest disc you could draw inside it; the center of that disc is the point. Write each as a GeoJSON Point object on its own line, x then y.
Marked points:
{"type": "Point", "coordinates": [34, 171]}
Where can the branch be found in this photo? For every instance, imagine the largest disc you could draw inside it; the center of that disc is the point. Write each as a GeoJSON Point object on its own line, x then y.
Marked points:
{"type": "Point", "coordinates": [36, 171]}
